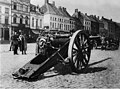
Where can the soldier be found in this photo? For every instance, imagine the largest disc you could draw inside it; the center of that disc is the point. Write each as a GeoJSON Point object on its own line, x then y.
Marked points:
{"type": "Point", "coordinates": [103, 42]}
{"type": "Point", "coordinates": [11, 43]}
{"type": "Point", "coordinates": [23, 44]}
{"type": "Point", "coordinates": [15, 43]}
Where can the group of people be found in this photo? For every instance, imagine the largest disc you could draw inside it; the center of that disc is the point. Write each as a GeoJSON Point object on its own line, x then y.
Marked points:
{"type": "Point", "coordinates": [18, 41]}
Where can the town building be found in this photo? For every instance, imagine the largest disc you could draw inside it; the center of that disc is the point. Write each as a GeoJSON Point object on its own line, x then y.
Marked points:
{"type": "Point", "coordinates": [20, 11]}
{"type": "Point", "coordinates": [102, 30]}
{"type": "Point", "coordinates": [109, 26]}
{"type": "Point", "coordinates": [86, 23]}
{"type": "Point", "coordinates": [36, 18]}
{"type": "Point", "coordinates": [56, 18]}
{"type": "Point", "coordinates": [117, 30]}
{"type": "Point", "coordinates": [78, 23]}
{"type": "Point", "coordinates": [95, 23]}
{"type": "Point", "coordinates": [5, 20]}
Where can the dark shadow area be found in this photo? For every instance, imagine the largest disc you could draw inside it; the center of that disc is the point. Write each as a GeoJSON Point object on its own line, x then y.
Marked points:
{"type": "Point", "coordinates": [40, 77]}
{"type": "Point", "coordinates": [108, 49]}
{"type": "Point", "coordinates": [93, 70]}
{"type": "Point", "coordinates": [62, 69]}
{"type": "Point", "coordinates": [99, 61]}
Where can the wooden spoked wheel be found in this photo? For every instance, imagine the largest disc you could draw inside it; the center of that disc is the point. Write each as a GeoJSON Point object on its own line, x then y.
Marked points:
{"type": "Point", "coordinates": [79, 51]}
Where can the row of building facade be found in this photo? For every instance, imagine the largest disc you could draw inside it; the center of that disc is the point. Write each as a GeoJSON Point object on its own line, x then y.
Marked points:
{"type": "Point", "coordinates": [22, 16]}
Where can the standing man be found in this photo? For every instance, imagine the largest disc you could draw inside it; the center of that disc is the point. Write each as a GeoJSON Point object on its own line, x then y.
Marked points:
{"type": "Point", "coordinates": [11, 43]}
{"type": "Point", "coordinates": [23, 43]}
{"type": "Point", "coordinates": [15, 43]}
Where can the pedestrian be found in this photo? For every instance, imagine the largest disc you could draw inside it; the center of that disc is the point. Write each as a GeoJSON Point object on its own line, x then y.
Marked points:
{"type": "Point", "coordinates": [40, 44]}
{"type": "Point", "coordinates": [23, 43]}
{"type": "Point", "coordinates": [103, 42]}
{"type": "Point", "coordinates": [11, 43]}
{"type": "Point", "coordinates": [15, 43]}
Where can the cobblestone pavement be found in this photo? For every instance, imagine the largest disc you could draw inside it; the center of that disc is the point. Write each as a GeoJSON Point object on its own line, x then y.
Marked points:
{"type": "Point", "coordinates": [103, 71]}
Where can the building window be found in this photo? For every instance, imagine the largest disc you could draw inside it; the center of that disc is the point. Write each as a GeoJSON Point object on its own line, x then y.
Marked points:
{"type": "Point", "coordinates": [21, 7]}
{"type": "Point", "coordinates": [6, 19]}
{"type": "Point", "coordinates": [50, 24]}
{"type": "Point", "coordinates": [60, 20]}
{"type": "Point", "coordinates": [40, 23]}
{"type": "Point", "coordinates": [21, 19]}
{"type": "Point", "coordinates": [25, 8]}
{"type": "Point", "coordinates": [14, 6]}
{"type": "Point", "coordinates": [6, 10]}
{"type": "Point", "coordinates": [58, 25]}
{"type": "Point", "coordinates": [53, 25]}
{"type": "Point", "coordinates": [26, 20]}
{"type": "Point", "coordinates": [32, 22]}
{"type": "Point", "coordinates": [0, 9]}
{"type": "Point", "coordinates": [64, 26]}
{"type": "Point", "coordinates": [14, 19]}
{"type": "Point", "coordinates": [53, 18]}
{"type": "Point", "coordinates": [0, 18]}
{"type": "Point", "coordinates": [50, 18]}
{"type": "Point", "coordinates": [36, 23]}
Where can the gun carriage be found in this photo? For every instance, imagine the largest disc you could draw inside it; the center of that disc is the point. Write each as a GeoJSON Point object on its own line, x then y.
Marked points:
{"type": "Point", "coordinates": [58, 48]}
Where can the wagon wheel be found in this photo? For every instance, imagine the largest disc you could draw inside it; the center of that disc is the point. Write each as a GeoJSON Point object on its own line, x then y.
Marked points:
{"type": "Point", "coordinates": [79, 51]}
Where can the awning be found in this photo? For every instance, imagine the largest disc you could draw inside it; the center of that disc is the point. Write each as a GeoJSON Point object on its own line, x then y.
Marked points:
{"type": "Point", "coordinates": [94, 37]}
{"type": "Point", "coordinates": [37, 31]}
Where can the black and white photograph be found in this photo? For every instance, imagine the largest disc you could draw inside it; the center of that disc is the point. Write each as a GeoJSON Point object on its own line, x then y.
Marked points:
{"type": "Point", "coordinates": [66, 44]}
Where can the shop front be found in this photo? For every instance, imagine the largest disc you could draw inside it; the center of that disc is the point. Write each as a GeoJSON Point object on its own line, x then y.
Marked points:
{"type": "Point", "coordinates": [4, 33]}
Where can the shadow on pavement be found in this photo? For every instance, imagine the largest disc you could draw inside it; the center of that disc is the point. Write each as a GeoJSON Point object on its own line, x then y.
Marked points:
{"type": "Point", "coordinates": [62, 69]}
{"type": "Point", "coordinates": [93, 70]}
{"type": "Point", "coordinates": [99, 61]}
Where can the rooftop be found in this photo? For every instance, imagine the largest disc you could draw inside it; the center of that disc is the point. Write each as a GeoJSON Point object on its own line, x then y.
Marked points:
{"type": "Point", "coordinates": [50, 8]}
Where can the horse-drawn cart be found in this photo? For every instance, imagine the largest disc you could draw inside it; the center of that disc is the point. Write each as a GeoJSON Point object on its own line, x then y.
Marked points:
{"type": "Point", "coordinates": [75, 48]}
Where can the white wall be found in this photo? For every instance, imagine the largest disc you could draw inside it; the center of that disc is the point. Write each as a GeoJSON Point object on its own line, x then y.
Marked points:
{"type": "Point", "coordinates": [35, 16]}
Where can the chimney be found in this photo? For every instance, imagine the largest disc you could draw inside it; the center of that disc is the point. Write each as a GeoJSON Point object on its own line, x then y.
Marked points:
{"type": "Point", "coordinates": [79, 13]}
{"type": "Point", "coordinates": [94, 16]}
{"type": "Point", "coordinates": [110, 19]}
{"type": "Point", "coordinates": [46, 1]}
{"type": "Point", "coordinates": [86, 14]}
{"type": "Point", "coordinates": [54, 3]}
{"type": "Point", "coordinates": [76, 10]}
{"type": "Point", "coordinates": [59, 7]}
{"type": "Point", "coordinates": [65, 9]}
{"type": "Point", "coordinates": [98, 17]}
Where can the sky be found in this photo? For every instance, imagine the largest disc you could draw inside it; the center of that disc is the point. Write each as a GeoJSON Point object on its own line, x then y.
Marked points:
{"type": "Point", "coordinates": [108, 8]}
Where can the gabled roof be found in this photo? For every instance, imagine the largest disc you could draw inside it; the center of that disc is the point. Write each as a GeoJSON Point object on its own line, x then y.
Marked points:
{"type": "Point", "coordinates": [91, 18]}
{"type": "Point", "coordinates": [118, 24]}
{"type": "Point", "coordinates": [105, 19]}
{"type": "Point", "coordinates": [84, 16]}
{"type": "Point", "coordinates": [64, 12]}
{"type": "Point", "coordinates": [32, 8]}
{"type": "Point", "coordinates": [52, 9]}
{"type": "Point", "coordinates": [76, 15]}
{"type": "Point", "coordinates": [35, 9]}
{"type": "Point", "coordinates": [7, 2]}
